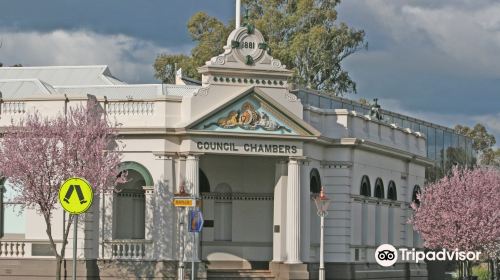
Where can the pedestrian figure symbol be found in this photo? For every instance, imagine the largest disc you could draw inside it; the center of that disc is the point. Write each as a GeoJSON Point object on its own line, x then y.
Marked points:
{"type": "Point", "coordinates": [78, 192]}
{"type": "Point", "coordinates": [76, 195]}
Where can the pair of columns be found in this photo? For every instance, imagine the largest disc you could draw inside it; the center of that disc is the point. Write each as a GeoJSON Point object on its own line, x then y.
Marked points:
{"type": "Point", "coordinates": [293, 240]}
{"type": "Point", "coordinates": [108, 226]}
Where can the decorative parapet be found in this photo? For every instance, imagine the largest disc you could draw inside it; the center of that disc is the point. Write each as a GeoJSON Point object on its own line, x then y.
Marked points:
{"type": "Point", "coordinates": [130, 108]}
{"type": "Point", "coordinates": [245, 62]}
{"type": "Point", "coordinates": [13, 107]}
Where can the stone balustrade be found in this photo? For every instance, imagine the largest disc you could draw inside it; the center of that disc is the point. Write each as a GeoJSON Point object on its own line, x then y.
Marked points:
{"type": "Point", "coordinates": [128, 249]}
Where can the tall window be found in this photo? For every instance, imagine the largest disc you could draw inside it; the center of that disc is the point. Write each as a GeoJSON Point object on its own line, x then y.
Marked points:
{"type": "Point", "coordinates": [379, 188]}
{"type": "Point", "coordinates": [416, 200]}
{"type": "Point", "coordinates": [391, 195]}
{"type": "Point", "coordinates": [12, 216]}
{"type": "Point", "coordinates": [391, 191]}
{"type": "Point", "coordinates": [204, 183]}
{"type": "Point", "coordinates": [414, 197]}
{"type": "Point", "coordinates": [315, 181]}
{"type": "Point", "coordinates": [1, 208]}
{"type": "Point", "coordinates": [129, 203]}
{"type": "Point", "coordinates": [365, 188]}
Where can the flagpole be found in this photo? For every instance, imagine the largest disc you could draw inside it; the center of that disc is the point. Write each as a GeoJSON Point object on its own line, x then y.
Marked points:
{"type": "Point", "coordinates": [238, 14]}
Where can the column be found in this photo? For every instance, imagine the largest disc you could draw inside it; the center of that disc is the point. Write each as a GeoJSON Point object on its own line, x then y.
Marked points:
{"type": "Point", "coordinates": [293, 212]}
{"type": "Point", "coordinates": [107, 223]}
{"type": "Point", "coordinates": [192, 184]}
{"type": "Point", "coordinates": [279, 217]}
{"type": "Point", "coordinates": [179, 170]}
{"type": "Point", "coordinates": [192, 174]}
{"type": "Point", "coordinates": [166, 230]}
{"type": "Point", "coordinates": [148, 218]}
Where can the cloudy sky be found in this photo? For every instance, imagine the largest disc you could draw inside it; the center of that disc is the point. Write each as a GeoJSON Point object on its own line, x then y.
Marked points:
{"type": "Point", "coordinates": [435, 60]}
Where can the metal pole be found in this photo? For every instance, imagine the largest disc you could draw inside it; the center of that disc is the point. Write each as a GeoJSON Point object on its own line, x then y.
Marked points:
{"type": "Point", "coordinates": [181, 236]}
{"type": "Point", "coordinates": [321, 250]}
{"type": "Point", "coordinates": [238, 14]}
{"type": "Point", "coordinates": [75, 235]}
{"type": "Point", "coordinates": [192, 259]}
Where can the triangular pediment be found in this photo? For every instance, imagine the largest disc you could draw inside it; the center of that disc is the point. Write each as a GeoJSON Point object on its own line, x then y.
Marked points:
{"type": "Point", "coordinates": [256, 113]}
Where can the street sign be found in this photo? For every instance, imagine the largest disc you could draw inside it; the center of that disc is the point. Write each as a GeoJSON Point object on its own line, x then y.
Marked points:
{"type": "Point", "coordinates": [195, 221]}
{"type": "Point", "coordinates": [184, 202]}
{"type": "Point", "coordinates": [76, 195]}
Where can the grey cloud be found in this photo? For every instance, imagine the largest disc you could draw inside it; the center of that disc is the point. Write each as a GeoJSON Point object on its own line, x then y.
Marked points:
{"type": "Point", "coordinates": [129, 58]}
{"type": "Point", "coordinates": [434, 58]}
{"type": "Point", "coordinates": [160, 21]}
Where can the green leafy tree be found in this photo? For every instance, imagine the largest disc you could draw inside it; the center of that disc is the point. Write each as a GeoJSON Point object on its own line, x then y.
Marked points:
{"type": "Point", "coordinates": [209, 33]}
{"type": "Point", "coordinates": [482, 143]}
{"type": "Point", "coordinates": [304, 35]}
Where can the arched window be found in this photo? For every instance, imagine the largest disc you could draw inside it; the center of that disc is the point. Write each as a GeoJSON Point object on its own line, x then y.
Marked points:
{"type": "Point", "coordinates": [391, 195]}
{"type": "Point", "coordinates": [414, 196]}
{"type": "Point", "coordinates": [129, 215]}
{"type": "Point", "coordinates": [391, 191]}
{"type": "Point", "coordinates": [204, 183]}
{"type": "Point", "coordinates": [365, 186]}
{"type": "Point", "coordinates": [379, 188]}
{"type": "Point", "coordinates": [315, 181]}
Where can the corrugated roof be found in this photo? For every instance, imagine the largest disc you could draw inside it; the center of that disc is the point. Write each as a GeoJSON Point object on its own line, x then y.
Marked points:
{"type": "Point", "coordinates": [63, 75]}
{"type": "Point", "coordinates": [19, 82]}
{"type": "Point", "coordinates": [22, 88]}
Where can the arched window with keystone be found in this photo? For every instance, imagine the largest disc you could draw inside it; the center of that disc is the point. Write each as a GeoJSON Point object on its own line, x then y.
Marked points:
{"type": "Point", "coordinates": [379, 188]}
{"type": "Point", "coordinates": [314, 181]}
{"type": "Point", "coordinates": [414, 196]}
{"type": "Point", "coordinates": [365, 188]}
{"type": "Point", "coordinates": [391, 191]}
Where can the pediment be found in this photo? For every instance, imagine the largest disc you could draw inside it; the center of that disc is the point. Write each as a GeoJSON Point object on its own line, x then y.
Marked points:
{"type": "Point", "coordinates": [256, 113]}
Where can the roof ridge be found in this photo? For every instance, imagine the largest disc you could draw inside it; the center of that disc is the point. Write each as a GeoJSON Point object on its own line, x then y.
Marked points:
{"type": "Point", "coordinates": [102, 66]}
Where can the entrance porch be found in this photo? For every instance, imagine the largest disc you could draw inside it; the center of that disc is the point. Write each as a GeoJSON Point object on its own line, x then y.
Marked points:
{"type": "Point", "coordinates": [251, 206]}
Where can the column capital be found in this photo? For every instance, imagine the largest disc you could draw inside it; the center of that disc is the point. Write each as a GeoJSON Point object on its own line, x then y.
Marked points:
{"type": "Point", "coordinates": [162, 155]}
{"type": "Point", "coordinates": [298, 159]}
{"type": "Point", "coordinates": [192, 155]}
{"type": "Point", "coordinates": [148, 189]}
{"type": "Point", "coordinates": [108, 190]}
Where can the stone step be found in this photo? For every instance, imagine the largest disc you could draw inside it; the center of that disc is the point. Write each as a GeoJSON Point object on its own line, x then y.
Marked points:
{"type": "Point", "coordinates": [239, 274]}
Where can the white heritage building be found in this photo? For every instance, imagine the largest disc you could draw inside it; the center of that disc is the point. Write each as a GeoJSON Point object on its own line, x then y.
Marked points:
{"type": "Point", "coordinates": [244, 143]}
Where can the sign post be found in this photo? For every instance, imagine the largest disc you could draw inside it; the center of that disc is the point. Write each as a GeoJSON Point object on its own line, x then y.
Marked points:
{"type": "Point", "coordinates": [195, 225]}
{"type": "Point", "coordinates": [75, 204]}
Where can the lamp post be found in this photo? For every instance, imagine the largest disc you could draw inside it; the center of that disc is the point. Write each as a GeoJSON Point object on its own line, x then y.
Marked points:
{"type": "Point", "coordinates": [322, 203]}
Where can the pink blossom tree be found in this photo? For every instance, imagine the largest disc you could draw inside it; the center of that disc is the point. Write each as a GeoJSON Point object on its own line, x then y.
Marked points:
{"type": "Point", "coordinates": [460, 211]}
{"type": "Point", "coordinates": [38, 154]}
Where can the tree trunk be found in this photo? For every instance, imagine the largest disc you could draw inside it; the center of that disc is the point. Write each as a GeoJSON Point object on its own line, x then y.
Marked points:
{"type": "Point", "coordinates": [465, 269]}
{"type": "Point", "coordinates": [58, 267]}
{"type": "Point", "coordinates": [491, 269]}
{"type": "Point", "coordinates": [496, 269]}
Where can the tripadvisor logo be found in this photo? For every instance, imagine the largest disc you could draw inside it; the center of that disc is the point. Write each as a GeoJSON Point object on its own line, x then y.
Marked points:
{"type": "Point", "coordinates": [387, 255]}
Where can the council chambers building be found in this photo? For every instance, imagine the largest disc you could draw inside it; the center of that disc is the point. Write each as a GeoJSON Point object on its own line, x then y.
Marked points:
{"type": "Point", "coordinates": [255, 151]}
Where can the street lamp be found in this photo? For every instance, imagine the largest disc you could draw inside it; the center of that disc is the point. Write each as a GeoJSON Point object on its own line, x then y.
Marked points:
{"type": "Point", "coordinates": [322, 203]}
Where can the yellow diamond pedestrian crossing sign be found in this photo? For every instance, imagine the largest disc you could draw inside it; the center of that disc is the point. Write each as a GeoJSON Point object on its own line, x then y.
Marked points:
{"type": "Point", "coordinates": [76, 195]}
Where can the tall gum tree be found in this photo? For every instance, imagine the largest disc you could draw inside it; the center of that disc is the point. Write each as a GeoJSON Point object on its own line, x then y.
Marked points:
{"type": "Point", "coordinates": [304, 34]}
